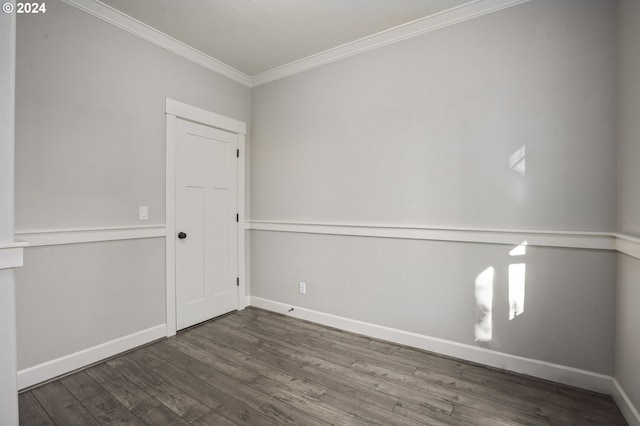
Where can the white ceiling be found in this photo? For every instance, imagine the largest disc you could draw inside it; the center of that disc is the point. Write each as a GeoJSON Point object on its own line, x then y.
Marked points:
{"type": "Point", "coordinates": [254, 36]}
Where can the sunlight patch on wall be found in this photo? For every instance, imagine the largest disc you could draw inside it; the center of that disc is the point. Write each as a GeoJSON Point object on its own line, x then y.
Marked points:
{"type": "Point", "coordinates": [521, 250]}
{"type": "Point", "coordinates": [517, 161]}
{"type": "Point", "coordinates": [517, 273]}
{"type": "Point", "coordinates": [484, 305]}
{"type": "Point", "coordinates": [517, 277]}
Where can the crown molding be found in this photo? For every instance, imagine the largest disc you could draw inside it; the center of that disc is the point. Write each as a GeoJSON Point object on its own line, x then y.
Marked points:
{"type": "Point", "coordinates": [406, 31]}
{"type": "Point", "coordinates": [402, 32]}
{"type": "Point", "coordinates": [133, 26]}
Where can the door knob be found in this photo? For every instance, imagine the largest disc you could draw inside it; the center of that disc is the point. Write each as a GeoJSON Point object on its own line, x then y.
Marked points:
{"type": "Point", "coordinates": [182, 235]}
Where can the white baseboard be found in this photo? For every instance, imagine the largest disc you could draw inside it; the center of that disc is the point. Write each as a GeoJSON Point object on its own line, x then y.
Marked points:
{"type": "Point", "coordinates": [629, 411]}
{"type": "Point", "coordinates": [545, 370]}
{"type": "Point", "coordinates": [57, 367]}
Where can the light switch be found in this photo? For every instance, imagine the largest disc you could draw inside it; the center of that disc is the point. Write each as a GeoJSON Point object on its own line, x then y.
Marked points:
{"type": "Point", "coordinates": [143, 213]}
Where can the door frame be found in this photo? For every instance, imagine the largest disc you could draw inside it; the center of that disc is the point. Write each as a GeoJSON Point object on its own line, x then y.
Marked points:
{"type": "Point", "coordinates": [174, 110]}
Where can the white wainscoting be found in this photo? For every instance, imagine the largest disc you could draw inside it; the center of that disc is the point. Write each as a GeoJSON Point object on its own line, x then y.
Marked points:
{"type": "Point", "coordinates": [622, 243]}
{"type": "Point", "coordinates": [66, 364]}
{"type": "Point", "coordinates": [51, 237]}
{"type": "Point", "coordinates": [544, 370]}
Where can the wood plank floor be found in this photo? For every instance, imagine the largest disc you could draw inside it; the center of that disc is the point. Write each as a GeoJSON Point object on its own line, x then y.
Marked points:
{"type": "Point", "coordinates": [259, 368]}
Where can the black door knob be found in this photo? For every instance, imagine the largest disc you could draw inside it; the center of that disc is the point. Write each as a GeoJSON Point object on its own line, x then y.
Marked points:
{"type": "Point", "coordinates": [182, 235]}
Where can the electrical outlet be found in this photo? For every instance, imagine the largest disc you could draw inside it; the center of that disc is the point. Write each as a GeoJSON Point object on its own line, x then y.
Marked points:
{"type": "Point", "coordinates": [143, 213]}
{"type": "Point", "coordinates": [302, 288]}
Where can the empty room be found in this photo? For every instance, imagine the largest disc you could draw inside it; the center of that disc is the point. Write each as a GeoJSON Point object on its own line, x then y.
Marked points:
{"type": "Point", "coordinates": [311, 212]}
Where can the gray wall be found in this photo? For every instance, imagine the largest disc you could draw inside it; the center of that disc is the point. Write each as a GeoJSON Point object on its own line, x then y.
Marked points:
{"type": "Point", "coordinates": [629, 148]}
{"type": "Point", "coordinates": [420, 133]}
{"type": "Point", "coordinates": [7, 81]}
{"type": "Point", "coordinates": [8, 384]}
{"type": "Point", "coordinates": [90, 150]}
{"type": "Point", "coordinates": [628, 297]}
{"type": "Point", "coordinates": [90, 119]}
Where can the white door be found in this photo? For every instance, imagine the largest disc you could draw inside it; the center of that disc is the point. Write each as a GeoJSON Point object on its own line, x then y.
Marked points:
{"type": "Point", "coordinates": [206, 227]}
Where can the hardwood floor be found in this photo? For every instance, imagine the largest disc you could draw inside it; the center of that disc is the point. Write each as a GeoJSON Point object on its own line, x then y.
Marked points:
{"type": "Point", "coordinates": [259, 368]}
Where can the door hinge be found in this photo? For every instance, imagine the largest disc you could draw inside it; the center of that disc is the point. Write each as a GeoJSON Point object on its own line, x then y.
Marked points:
{"type": "Point", "coordinates": [238, 281]}
{"type": "Point", "coordinates": [237, 153]}
{"type": "Point", "coordinates": [237, 217]}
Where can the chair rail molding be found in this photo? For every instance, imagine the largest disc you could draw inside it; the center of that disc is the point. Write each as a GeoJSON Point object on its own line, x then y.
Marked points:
{"type": "Point", "coordinates": [52, 237]}
{"type": "Point", "coordinates": [546, 238]}
{"type": "Point", "coordinates": [11, 254]}
{"type": "Point", "coordinates": [628, 245]}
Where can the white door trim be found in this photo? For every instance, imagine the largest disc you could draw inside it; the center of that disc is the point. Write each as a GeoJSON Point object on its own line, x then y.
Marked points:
{"type": "Point", "coordinates": [173, 110]}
